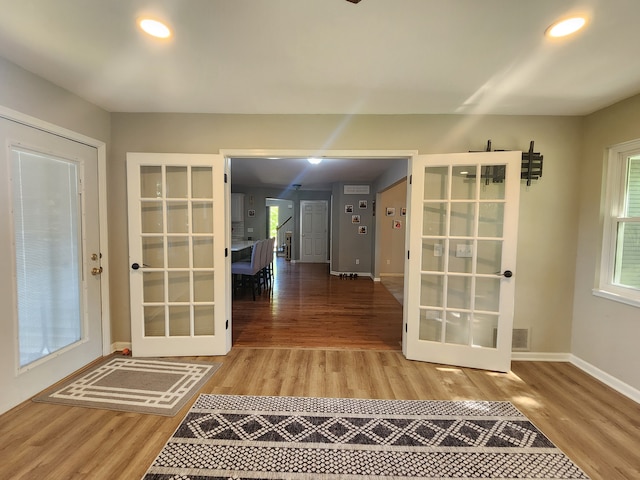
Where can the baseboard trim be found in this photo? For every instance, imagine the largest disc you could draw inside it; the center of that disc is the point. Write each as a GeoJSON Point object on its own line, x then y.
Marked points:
{"type": "Point", "coordinates": [609, 380]}
{"type": "Point", "coordinates": [540, 357]}
{"type": "Point", "coordinates": [119, 346]}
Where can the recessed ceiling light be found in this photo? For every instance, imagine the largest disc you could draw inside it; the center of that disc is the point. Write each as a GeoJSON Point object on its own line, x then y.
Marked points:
{"type": "Point", "coordinates": [154, 28]}
{"type": "Point", "coordinates": [566, 27]}
{"type": "Point", "coordinates": [314, 161]}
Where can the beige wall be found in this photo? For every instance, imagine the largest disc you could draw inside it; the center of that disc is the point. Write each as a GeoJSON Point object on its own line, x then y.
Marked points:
{"type": "Point", "coordinates": [548, 220]}
{"type": "Point", "coordinates": [605, 333]}
{"type": "Point", "coordinates": [392, 241]}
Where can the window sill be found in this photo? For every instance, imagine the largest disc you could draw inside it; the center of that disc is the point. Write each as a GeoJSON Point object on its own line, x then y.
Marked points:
{"type": "Point", "coordinates": [615, 297]}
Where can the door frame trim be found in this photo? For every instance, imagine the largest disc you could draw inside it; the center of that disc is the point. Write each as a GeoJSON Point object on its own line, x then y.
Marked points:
{"type": "Point", "coordinates": [101, 147]}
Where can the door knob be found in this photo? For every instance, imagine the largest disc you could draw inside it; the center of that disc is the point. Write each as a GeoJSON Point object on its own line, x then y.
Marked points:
{"type": "Point", "coordinates": [507, 273]}
{"type": "Point", "coordinates": [135, 266]}
{"type": "Point", "coordinates": [96, 271]}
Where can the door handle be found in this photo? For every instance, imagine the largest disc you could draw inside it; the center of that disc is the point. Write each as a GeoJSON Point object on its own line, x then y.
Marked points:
{"type": "Point", "coordinates": [96, 271]}
{"type": "Point", "coordinates": [506, 273]}
{"type": "Point", "coordinates": [136, 266]}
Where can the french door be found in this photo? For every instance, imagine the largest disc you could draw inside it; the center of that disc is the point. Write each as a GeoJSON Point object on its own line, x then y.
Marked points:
{"type": "Point", "coordinates": [50, 269]}
{"type": "Point", "coordinates": [461, 270]}
{"type": "Point", "coordinates": [177, 254]}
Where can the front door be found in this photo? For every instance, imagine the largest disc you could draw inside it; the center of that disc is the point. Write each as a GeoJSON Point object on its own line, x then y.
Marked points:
{"type": "Point", "coordinates": [313, 230]}
{"type": "Point", "coordinates": [50, 282]}
{"type": "Point", "coordinates": [177, 257]}
{"type": "Point", "coordinates": [462, 254]}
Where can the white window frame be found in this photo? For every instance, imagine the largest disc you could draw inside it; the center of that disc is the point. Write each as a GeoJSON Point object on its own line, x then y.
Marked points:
{"type": "Point", "coordinates": [615, 192]}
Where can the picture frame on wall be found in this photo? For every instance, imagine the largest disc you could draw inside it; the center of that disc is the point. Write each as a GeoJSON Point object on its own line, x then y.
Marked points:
{"type": "Point", "coordinates": [362, 204]}
{"type": "Point", "coordinates": [397, 224]}
{"type": "Point", "coordinates": [362, 230]}
{"type": "Point", "coordinates": [348, 209]}
{"type": "Point", "coordinates": [403, 212]}
{"type": "Point", "coordinates": [355, 218]}
{"type": "Point", "coordinates": [251, 213]}
{"type": "Point", "coordinates": [391, 211]}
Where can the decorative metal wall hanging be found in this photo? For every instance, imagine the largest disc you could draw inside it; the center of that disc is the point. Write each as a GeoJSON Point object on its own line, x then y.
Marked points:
{"type": "Point", "coordinates": [531, 168]}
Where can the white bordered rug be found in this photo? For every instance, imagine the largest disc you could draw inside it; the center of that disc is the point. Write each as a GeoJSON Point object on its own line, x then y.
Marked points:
{"type": "Point", "coordinates": [142, 385]}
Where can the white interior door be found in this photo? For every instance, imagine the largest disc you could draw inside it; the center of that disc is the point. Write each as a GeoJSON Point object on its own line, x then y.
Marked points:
{"type": "Point", "coordinates": [313, 230]}
{"type": "Point", "coordinates": [50, 282]}
{"type": "Point", "coordinates": [461, 271]}
{"type": "Point", "coordinates": [177, 254]}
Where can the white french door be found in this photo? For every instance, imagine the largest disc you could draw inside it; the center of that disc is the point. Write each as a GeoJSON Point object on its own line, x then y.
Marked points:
{"type": "Point", "coordinates": [50, 270]}
{"type": "Point", "coordinates": [461, 271]}
{"type": "Point", "coordinates": [177, 254]}
{"type": "Point", "coordinates": [313, 230]}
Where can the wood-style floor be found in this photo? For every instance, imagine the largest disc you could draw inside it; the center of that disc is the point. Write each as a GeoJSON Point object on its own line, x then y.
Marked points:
{"type": "Point", "coordinates": [597, 427]}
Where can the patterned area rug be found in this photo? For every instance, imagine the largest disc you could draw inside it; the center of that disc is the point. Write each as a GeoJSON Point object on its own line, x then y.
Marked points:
{"type": "Point", "coordinates": [243, 437]}
{"type": "Point", "coordinates": [142, 385]}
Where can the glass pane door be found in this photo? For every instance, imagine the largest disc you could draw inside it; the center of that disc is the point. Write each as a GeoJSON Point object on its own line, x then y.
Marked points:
{"type": "Point", "coordinates": [461, 299]}
{"type": "Point", "coordinates": [176, 256]}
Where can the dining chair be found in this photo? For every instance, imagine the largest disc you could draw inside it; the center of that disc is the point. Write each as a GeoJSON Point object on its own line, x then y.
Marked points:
{"type": "Point", "coordinates": [250, 270]}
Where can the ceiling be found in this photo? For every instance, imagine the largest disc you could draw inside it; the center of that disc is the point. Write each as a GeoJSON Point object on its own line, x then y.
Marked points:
{"type": "Point", "coordinates": [329, 57]}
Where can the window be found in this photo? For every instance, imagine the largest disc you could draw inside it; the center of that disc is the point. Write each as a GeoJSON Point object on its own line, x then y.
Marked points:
{"type": "Point", "coordinates": [620, 267]}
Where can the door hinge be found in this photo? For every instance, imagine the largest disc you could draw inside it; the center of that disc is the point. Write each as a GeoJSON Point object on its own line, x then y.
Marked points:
{"type": "Point", "coordinates": [225, 178]}
{"type": "Point", "coordinates": [408, 254]}
{"type": "Point", "coordinates": [226, 325]}
{"type": "Point", "coordinates": [226, 252]}
{"type": "Point", "coordinates": [406, 328]}
{"type": "Point", "coordinates": [411, 179]}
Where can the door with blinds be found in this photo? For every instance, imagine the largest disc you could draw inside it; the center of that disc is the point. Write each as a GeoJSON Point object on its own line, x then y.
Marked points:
{"type": "Point", "coordinates": [177, 254]}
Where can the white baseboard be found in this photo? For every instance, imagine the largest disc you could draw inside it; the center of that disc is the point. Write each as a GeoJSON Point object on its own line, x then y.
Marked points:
{"type": "Point", "coordinates": [540, 357]}
{"type": "Point", "coordinates": [618, 385]}
{"type": "Point", "coordinates": [119, 346]}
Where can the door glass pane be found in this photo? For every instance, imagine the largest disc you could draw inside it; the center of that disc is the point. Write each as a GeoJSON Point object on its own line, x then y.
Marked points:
{"type": "Point", "coordinates": [203, 287]}
{"type": "Point", "coordinates": [202, 213]}
{"type": "Point", "coordinates": [489, 257]}
{"type": "Point", "coordinates": [484, 330]}
{"type": "Point", "coordinates": [435, 183]}
{"type": "Point", "coordinates": [431, 290]}
{"type": "Point", "coordinates": [493, 184]}
{"type": "Point", "coordinates": [203, 323]}
{"type": "Point", "coordinates": [179, 283]}
{"type": "Point", "coordinates": [459, 292]}
{"type": "Point", "coordinates": [463, 183]}
{"type": "Point", "coordinates": [432, 255]}
{"type": "Point", "coordinates": [458, 326]}
{"type": "Point", "coordinates": [178, 252]}
{"type": "Point", "coordinates": [177, 217]}
{"type": "Point", "coordinates": [177, 182]}
{"type": "Point", "coordinates": [154, 321]}
{"type": "Point", "coordinates": [491, 220]}
{"type": "Point", "coordinates": [153, 287]}
{"type": "Point", "coordinates": [460, 256]}
{"type": "Point", "coordinates": [431, 325]}
{"type": "Point", "coordinates": [151, 213]}
{"type": "Point", "coordinates": [201, 182]}
{"type": "Point", "coordinates": [153, 252]}
{"type": "Point", "coordinates": [150, 181]}
{"type": "Point", "coordinates": [46, 222]}
{"type": "Point", "coordinates": [203, 252]}
{"type": "Point", "coordinates": [179, 321]}
{"type": "Point", "coordinates": [434, 219]}
{"type": "Point", "coordinates": [462, 219]}
{"type": "Point", "coordinates": [488, 294]}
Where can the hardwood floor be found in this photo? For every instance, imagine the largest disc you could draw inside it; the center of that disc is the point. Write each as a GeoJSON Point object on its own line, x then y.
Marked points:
{"type": "Point", "coordinates": [597, 427]}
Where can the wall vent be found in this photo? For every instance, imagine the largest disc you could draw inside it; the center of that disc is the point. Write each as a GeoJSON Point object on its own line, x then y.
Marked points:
{"type": "Point", "coordinates": [520, 339]}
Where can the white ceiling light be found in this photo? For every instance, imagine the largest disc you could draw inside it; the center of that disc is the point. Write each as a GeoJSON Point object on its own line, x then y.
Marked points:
{"type": "Point", "coordinates": [566, 27]}
{"type": "Point", "coordinates": [154, 28]}
{"type": "Point", "coordinates": [314, 161]}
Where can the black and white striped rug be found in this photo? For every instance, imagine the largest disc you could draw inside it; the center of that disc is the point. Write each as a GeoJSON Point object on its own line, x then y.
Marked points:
{"type": "Point", "coordinates": [245, 437]}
